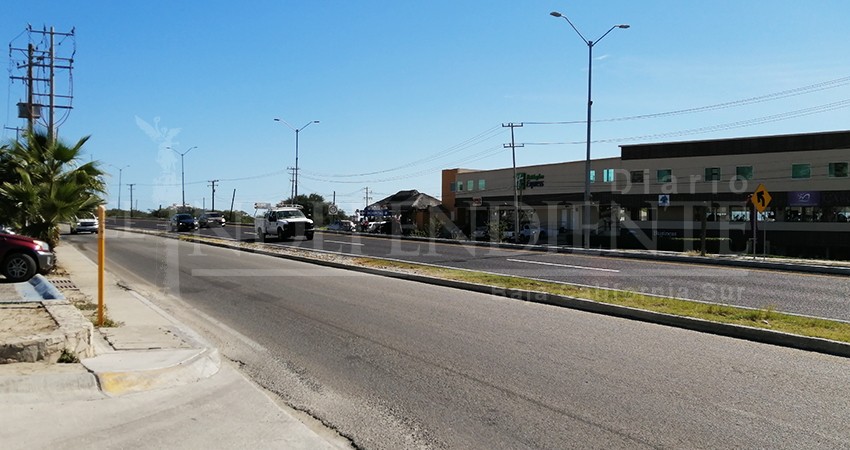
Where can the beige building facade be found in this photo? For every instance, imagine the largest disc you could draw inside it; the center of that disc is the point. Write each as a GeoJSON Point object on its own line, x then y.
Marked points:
{"type": "Point", "coordinates": [664, 195]}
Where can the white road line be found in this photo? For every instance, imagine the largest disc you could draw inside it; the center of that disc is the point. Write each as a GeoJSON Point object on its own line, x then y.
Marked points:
{"type": "Point", "coordinates": [563, 265]}
{"type": "Point", "coordinates": [343, 242]}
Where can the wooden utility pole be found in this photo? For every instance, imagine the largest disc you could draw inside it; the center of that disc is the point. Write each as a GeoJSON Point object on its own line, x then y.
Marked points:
{"type": "Point", "coordinates": [212, 183]}
{"type": "Point", "coordinates": [131, 198]}
{"type": "Point", "coordinates": [41, 67]}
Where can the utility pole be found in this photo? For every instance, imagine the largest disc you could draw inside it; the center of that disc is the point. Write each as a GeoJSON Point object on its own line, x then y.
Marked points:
{"type": "Point", "coordinates": [367, 198]}
{"type": "Point", "coordinates": [131, 198]}
{"type": "Point", "coordinates": [41, 66]}
{"type": "Point", "coordinates": [232, 201]}
{"type": "Point", "coordinates": [291, 185]}
{"type": "Point", "coordinates": [212, 183]}
{"type": "Point", "coordinates": [513, 145]}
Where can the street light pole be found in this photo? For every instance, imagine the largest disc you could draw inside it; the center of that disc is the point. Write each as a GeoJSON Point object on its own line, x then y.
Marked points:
{"type": "Point", "coordinates": [297, 132]}
{"type": "Point", "coordinates": [182, 175]}
{"type": "Point", "coordinates": [120, 169]}
{"type": "Point", "coordinates": [585, 220]}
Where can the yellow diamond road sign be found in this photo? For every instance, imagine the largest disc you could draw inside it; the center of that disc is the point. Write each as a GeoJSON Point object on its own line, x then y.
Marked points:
{"type": "Point", "coordinates": [761, 198]}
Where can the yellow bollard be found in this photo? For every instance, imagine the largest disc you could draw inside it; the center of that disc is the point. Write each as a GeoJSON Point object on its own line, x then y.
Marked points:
{"type": "Point", "coordinates": [101, 260]}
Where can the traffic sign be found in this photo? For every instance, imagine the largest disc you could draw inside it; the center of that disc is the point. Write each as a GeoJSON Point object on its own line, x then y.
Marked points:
{"type": "Point", "coordinates": [332, 209]}
{"type": "Point", "coordinates": [761, 198]}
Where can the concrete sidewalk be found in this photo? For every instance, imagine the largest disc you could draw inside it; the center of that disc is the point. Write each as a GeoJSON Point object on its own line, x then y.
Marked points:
{"type": "Point", "coordinates": [150, 371]}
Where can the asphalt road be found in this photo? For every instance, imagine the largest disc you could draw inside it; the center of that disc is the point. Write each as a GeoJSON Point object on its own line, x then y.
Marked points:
{"type": "Point", "coordinates": [825, 296]}
{"type": "Point", "coordinates": [397, 364]}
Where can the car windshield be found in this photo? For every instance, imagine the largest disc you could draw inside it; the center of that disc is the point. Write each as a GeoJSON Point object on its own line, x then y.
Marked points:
{"type": "Point", "coordinates": [183, 217]}
{"type": "Point", "coordinates": [291, 214]}
{"type": "Point", "coordinates": [213, 214]}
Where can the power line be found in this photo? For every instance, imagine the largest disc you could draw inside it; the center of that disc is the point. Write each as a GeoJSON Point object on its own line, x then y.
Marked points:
{"type": "Point", "coordinates": [838, 82]}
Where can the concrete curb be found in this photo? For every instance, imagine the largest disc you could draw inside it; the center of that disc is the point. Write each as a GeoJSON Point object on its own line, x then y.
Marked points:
{"type": "Point", "coordinates": [765, 336]}
{"type": "Point", "coordinates": [124, 372]}
{"type": "Point", "coordinates": [54, 380]}
{"type": "Point", "coordinates": [650, 255]}
{"type": "Point", "coordinates": [73, 336]}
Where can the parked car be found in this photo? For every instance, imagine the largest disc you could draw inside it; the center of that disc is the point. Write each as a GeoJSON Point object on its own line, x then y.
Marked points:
{"type": "Point", "coordinates": [22, 257]}
{"type": "Point", "coordinates": [480, 233]}
{"type": "Point", "coordinates": [342, 225]}
{"type": "Point", "coordinates": [211, 219]}
{"type": "Point", "coordinates": [183, 222]}
{"type": "Point", "coordinates": [84, 225]}
{"type": "Point", "coordinates": [529, 233]}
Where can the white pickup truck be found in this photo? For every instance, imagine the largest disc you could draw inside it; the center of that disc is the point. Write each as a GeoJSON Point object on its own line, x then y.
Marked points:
{"type": "Point", "coordinates": [284, 222]}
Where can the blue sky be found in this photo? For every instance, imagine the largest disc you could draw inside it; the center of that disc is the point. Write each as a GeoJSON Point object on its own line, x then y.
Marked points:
{"type": "Point", "coordinates": [404, 89]}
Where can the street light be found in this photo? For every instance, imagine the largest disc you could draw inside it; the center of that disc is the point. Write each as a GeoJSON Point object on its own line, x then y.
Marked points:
{"type": "Point", "coordinates": [586, 213]}
{"type": "Point", "coordinates": [182, 174]}
{"type": "Point", "coordinates": [120, 169]}
{"type": "Point", "coordinates": [297, 131]}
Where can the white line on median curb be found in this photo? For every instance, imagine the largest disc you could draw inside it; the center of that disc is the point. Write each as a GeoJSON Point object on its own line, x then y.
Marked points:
{"type": "Point", "coordinates": [343, 242]}
{"type": "Point", "coordinates": [563, 265]}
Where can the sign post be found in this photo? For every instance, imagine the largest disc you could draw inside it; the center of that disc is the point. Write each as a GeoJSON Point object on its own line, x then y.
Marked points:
{"type": "Point", "coordinates": [760, 200]}
{"type": "Point", "coordinates": [101, 261]}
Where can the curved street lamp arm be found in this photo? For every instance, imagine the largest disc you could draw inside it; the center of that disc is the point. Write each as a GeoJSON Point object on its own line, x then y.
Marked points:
{"type": "Point", "coordinates": [276, 119]}
{"type": "Point", "coordinates": [557, 14]}
{"type": "Point", "coordinates": [308, 124]}
{"type": "Point", "coordinates": [606, 33]}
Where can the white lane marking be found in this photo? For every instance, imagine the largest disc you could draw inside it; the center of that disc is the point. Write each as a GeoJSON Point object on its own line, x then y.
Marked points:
{"type": "Point", "coordinates": [563, 265]}
{"type": "Point", "coordinates": [343, 242]}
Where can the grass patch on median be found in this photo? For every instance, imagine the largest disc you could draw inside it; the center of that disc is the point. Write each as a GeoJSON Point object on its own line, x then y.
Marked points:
{"type": "Point", "coordinates": [758, 318]}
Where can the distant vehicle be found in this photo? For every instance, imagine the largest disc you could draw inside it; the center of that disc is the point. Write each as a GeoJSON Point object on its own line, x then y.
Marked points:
{"type": "Point", "coordinates": [529, 233]}
{"type": "Point", "coordinates": [342, 225]}
{"type": "Point", "coordinates": [84, 225]}
{"type": "Point", "coordinates": [480, 233]}
{"type": "Point", "coordinates": [183, 222]}
{"type": "Point", "coordinates": [211, 218]}
{"type": "Point", "coordinates": [285, 222]}
{"type": "Point", "coordinates": [22, 257]}
{"type": "Point", "coordinates": [376, 227]}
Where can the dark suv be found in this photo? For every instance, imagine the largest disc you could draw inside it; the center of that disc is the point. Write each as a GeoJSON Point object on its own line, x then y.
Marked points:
{"type": "Point", "coordinates": [183, 222]}
{"type": "Point", "coordinates": [22, 257]}
{"type": "Point", "coordinates": [210, 219]}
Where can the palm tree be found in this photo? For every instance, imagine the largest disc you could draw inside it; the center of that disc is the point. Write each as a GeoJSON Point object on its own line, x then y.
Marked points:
{"type": "Point", "coordinates": [43, 184]}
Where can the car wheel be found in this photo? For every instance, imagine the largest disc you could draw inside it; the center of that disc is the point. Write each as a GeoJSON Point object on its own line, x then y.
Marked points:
{"type": "Point", "coordinates": [19, 267]}
{"type": "Point", "coordinates": [280, 235]}
{"type": "Point", "coordinates": [260, 235]}
{"type": "Point", "coordinates": [309, 236]}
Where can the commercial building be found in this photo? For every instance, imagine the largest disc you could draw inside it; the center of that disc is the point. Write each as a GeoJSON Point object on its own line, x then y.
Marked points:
{"type": "Point", "coordinates": [662, 196]}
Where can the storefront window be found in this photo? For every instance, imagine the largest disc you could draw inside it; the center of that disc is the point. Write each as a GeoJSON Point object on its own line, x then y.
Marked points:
{"type": "Point", "coordinates": [608, 175]}
{"type": "Point", "coordinates": [664, 175]}
{"type": "Point", "coordinates": [802, 214]}
{"type": "Point", "coordinates": [744, 172]}
{"type": "Point", "coordinates": [838, 170]}
{"type": "Point", "coordinates": [481, 185]}
{"type": "Point", "coordinates": [637, 176]}
{"type": "Point", "coordinates": [712, 174]}
{"type": "Point", "coordinates": [801, 171]}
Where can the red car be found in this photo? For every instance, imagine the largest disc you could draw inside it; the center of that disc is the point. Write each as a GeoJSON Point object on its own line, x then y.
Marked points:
{"type": "Point", "coordinates": [22, 257]}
